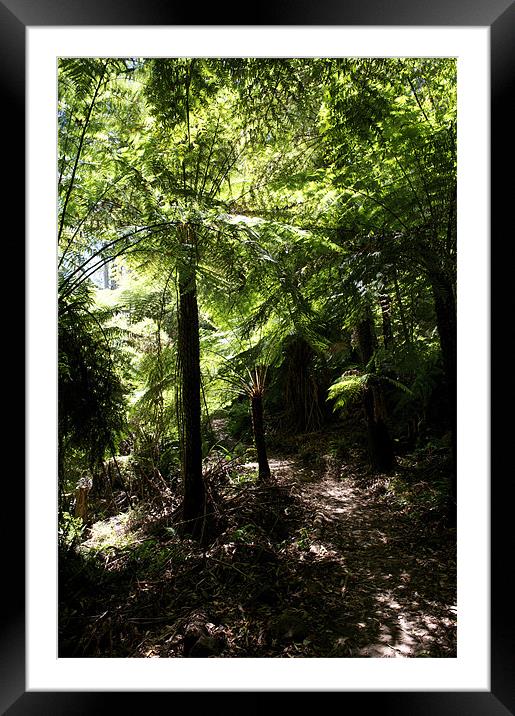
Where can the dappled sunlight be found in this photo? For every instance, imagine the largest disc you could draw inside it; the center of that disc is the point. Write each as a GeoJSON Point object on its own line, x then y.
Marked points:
{"type": "Point", "coordinates": [116, 531]}
{"type": "Point", "coordinates": [256, 306]}
{"type": "Point", "coordinates": [320, 567]}
{"type": "Point", "coordinates": [385, 579]}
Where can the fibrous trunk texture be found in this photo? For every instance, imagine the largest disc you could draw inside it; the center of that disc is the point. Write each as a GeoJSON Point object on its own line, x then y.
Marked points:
{"type": "Point", "coordinates": [258, 427]}
{"type": "Point", "coordinates": [379, 442]}
{"type": "Point", "coordinates": [191, 438]}
{"type": "Point", "coordinates": [303, 404]}
{"type": "Point", "coordinates": [445, 309]}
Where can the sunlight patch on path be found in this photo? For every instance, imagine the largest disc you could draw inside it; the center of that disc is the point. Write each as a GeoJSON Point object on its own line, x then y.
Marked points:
{"type": "Point", "coordinates": [354, 527]}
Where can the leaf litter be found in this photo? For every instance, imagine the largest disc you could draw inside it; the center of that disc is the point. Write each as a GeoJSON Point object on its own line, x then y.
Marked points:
{"type": "Point", "coordinates": [324, 560]}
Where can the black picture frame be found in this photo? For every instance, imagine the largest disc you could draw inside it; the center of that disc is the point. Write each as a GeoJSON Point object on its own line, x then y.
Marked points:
{"type": "Point", "coordinates": [499, 16]}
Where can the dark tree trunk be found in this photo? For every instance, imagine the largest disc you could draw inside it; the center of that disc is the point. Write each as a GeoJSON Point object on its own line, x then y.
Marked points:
{"type": "Point", "coordinates": [379, 442]}
{"type": "Point", "coordinates": [380, 446]}
{"type": "Point", "coordinates": [445, 309]}
{"type": "Point", "coordinates": [304, 408]}
{"type": "Point", "coordinates": [191, 438]}
{"type": "Point", "coordinates": [258, 427]}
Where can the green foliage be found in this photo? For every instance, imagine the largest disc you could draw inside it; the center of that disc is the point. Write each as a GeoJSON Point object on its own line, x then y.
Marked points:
{"type": "Point", "coordinates": [423, 485]}
{"type": "Point", "coordinates": [71, 530]}
{"type": "Point", "coordinates": [347, 389]}
{"type": "Point", "coordinates": [91, 398]}
{"type": "Point", "coordinates": [304, 539]}
{"type": "Point", "coordinates": [247, 477]}
{"type": "Point", "coordinates": [310, 189]}
{"type": "Point", "coordinates": [239, 423]}
{"type": "Point", "coordinates": [169, 458]}
{"type": "Point", "coordinates": [113, 534]}
{"type": "Point", "coordinates": [246, 534]}
{"type": "Point", "coordinates": [418, 366]}
{"type": "Point", "coordinates": [150, 559]}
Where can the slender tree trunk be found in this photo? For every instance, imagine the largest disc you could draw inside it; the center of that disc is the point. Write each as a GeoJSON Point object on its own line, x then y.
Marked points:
{"type": "Point", "coordinates": [258, 427]}
{"type": "Point", "coordinates": [445, 309]}
{"type": "Point", "coordinates": [189, 366]}
{"type": "Point", "coordinates": [379, 442]}
{"type": "Point", "coordinates": [380, 446]}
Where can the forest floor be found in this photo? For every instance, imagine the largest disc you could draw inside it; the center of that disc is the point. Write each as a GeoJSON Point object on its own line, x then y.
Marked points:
{"type": "Point", "coordinates": [325, 560]}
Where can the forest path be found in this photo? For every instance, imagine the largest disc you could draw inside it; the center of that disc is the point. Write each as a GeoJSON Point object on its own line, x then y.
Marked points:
{"type": "Point", "coordinates": [323, 561]}
{"type": "Point", "coordinates": [388, 584]}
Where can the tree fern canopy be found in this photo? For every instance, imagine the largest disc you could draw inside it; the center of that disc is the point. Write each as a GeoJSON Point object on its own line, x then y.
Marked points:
{"type": "Point", "coordinates": [256, 265]}
{"type": "Point", "coordinates": [306, 210]}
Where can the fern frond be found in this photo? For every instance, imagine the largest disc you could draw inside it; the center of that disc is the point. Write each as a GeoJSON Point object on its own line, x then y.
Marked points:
{"type": "Point", "coordinates": [347, 389]}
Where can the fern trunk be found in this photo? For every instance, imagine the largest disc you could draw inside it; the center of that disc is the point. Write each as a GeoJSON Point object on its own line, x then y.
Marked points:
{"type": "Point", "coordinates": [191, 437]}
{"type": "Point", "coordinates": [445, 309]}
{"type": "Point", "coordinates": [380, 445]}
{"type": "Point", "coordinates": [258, 427]}
{"type": "Point", "coordinates": [303, 407]}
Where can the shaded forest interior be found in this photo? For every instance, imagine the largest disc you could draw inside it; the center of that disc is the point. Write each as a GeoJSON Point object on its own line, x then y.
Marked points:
{"type": "Point", "coordinates": [257, 357]}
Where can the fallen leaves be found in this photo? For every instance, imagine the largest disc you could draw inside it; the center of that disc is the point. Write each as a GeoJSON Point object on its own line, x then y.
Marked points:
{"type": "Point", "coordinates": [330, 565]}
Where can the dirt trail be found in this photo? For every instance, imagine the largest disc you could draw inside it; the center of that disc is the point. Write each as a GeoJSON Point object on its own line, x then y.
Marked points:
{"type": "Point", "coordinates": [390, 587]}
{"type": "Point", "coordinates": [322, 562]}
